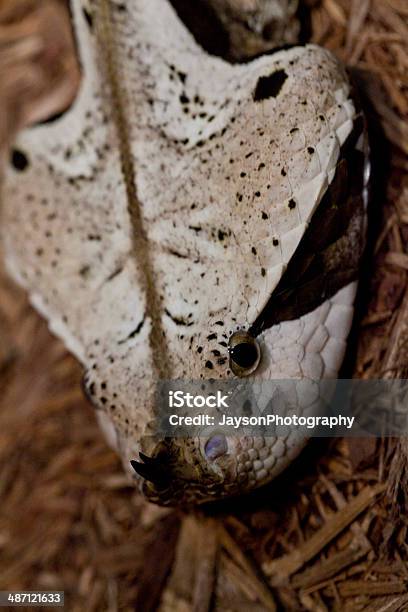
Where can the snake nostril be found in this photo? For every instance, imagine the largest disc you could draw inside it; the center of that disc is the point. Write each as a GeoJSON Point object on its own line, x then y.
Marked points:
{"type": "Point", "coordinates": [216, 446]}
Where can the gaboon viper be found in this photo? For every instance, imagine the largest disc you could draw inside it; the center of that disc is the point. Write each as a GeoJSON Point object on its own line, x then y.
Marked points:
{"type": "Point", "coordinates": [188, 218]}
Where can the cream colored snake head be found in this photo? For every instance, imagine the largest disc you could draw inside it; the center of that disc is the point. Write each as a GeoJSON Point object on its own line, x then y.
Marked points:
{"type": "Point", "coordinates": [181, 200]}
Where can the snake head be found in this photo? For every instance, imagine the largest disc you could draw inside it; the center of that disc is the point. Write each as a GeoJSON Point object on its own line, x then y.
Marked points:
{"type": "Point", "coordinates": [196, 200]}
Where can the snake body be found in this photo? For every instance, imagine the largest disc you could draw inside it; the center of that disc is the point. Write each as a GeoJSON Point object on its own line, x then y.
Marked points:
{"type": "Point", "coordinates": [179, 202]}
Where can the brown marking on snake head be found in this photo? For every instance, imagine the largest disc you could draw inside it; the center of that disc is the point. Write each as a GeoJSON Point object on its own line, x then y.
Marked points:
{"type": "Point", "coordinates": [270, 86]}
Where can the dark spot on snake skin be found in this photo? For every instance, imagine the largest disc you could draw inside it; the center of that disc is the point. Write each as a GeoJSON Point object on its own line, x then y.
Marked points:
{"type": "Point", "coordinates": [310, 150]}
{"type": "Point", "coordinates": [261, 165]}
{"type": "Point", "coordinates": [283, 172]}
{"type": "Point", "coordinates": [178, 320]}
{"type": "Point", "coordinates": [263, 271]}
{"type": "Point", "coordinates": [115, 273]}
{"type": "Point", "coordinates": [264, 215]}
{"type": "Point", "coordinates": [270, 86]}
{"type": "Point", "coordinates": [257, 194]}
{"type": "Point", "coordinates": [243, 174]}
{"type": "Point", "coordinates": [182, 76]}
{"type": "Point", "coordinates": [88, 18]}
{"type": "Point", "coordinates": [253, 249]}
{"type": "Point", "coordinates": [19, 160]}
{"type": "Point", "coordinates": [199, 349]}
{"type": "Point", "coordinates": [134, 332]}
{"type": "Point", "coordinates": [184, 99]}
{"type": "Point", "coordinates": [248, 155]}
{"type": "Point", "coordinates": [177, 254]}
{"type": "Point", "coordinates": [275, 242]}
{"type": "Point", "coordinates": [292, 204]}
{"type": "Point", "coordinates": [212, 337]}
{"type": "Point", "coordinates": [209, 365]}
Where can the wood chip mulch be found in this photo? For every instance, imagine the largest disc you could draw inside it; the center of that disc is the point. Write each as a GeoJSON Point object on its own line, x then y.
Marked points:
{"type": "Point", "coordinates": [329, 535]}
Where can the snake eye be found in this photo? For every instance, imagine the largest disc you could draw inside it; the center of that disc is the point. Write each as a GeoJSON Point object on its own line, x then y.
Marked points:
{"type": "Point", "coordinates": [216, 447]}
{"type": "Point", "coordinates": [244, 353]}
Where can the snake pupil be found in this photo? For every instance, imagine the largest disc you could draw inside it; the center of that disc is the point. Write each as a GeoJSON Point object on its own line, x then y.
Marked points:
{"type": "Point", "coordinates": [244, 354]}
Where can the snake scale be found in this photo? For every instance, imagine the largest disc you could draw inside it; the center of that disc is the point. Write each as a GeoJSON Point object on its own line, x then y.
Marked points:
{"type": "Point", "coordinates": [188, 218]}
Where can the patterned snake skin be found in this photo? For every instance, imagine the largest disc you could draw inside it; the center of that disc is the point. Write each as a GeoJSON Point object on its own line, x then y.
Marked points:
{"type": "Point", "coordinates": [182, 199]}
